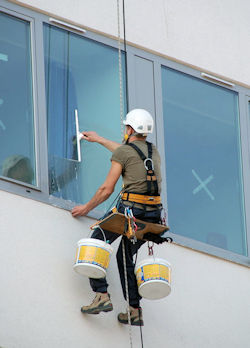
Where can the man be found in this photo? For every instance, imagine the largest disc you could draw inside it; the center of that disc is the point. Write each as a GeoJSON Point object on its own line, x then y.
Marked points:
{"type": "Point", "coordinates": [141, 193]}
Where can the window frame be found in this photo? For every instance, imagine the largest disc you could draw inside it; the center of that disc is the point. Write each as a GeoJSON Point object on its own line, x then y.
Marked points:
{"type": "Point", "coordinates": [55, 201]}
{"type": "Point", "coordinates": [22, 185]}
{"type": "Point", "coordinates": [244, 156]}
{"type": "Point", "coordinates": [41, 192]}
{"type": "Point", "coordinates": [11, 185]}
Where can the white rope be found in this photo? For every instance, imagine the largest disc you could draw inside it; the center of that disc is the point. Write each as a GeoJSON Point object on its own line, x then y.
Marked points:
{"type": "Point", "coordinates": [122, 136]}
{"type": "Point", "coordinates": [120, 70]}
{"type": "Point", "coordinates": [127, 294]}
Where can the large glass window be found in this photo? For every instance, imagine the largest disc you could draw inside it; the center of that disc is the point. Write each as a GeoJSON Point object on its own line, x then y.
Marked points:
{"type": "Point", "coordinates": [203, 161]}
{"type": "Point", "coordinates": [81, 76]}
{"type": "Point", "coordinates": [17, 155]}
{"type": "Point", "coordinates": [249, 109]}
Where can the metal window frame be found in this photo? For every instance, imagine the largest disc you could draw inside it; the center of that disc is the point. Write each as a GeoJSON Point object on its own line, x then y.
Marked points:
{"type": "Point", "coordinates": [41, 193]}
{"type": "Point", "coordinates": [55, 201]}
{"type": "Point", "coordinates": [244, 149]}
{"type": "Point", "coordinates": [9, 184]}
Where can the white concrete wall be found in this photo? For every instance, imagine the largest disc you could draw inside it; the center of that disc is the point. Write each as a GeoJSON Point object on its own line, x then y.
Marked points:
{"type": "Point", "coordinates": [213, 35]}
{"type": "Point", "coordinates": [41, 295]}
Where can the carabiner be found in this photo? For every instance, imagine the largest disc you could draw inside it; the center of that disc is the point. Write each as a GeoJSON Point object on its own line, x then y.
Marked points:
{"type": "Point", "coordinates": [145, 163]}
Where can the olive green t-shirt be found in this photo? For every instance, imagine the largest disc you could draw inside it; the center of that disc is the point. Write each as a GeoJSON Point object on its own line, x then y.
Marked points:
{"type": "Point", "coordinates": [133, 170]}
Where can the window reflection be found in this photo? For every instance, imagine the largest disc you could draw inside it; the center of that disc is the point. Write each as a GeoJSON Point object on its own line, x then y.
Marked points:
{"type": "Point", "coordinates": [80, 74]}
{"type": "Point", "coordinates": [202, 147]}
{"type": "Point", "coordinates": [17, 155]}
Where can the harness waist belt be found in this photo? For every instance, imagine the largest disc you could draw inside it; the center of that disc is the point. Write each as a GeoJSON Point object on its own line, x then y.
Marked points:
{"type": "Point", "coordinates": [143, 199]}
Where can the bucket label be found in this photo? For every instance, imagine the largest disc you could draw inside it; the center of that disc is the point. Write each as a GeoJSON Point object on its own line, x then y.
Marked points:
{"type": "Point", "coordinates": [94, 255]}
{"type": "Point", "coordinates": [152, 272]}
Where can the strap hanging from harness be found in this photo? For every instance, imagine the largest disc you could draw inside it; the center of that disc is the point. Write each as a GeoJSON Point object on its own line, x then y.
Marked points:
{"type": "Point", "coordinates": [152, 185]}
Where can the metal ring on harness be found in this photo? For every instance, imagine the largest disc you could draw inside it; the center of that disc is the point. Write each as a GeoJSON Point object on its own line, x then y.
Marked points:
{"type": "Point", "coordinates": [152, 163]}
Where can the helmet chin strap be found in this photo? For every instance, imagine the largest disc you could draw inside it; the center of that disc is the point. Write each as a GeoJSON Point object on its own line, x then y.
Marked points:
{"type": "Point", "coordinates": [126, 138]}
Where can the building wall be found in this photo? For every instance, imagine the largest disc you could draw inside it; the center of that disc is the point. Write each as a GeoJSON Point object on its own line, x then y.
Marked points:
{"type": "Point", "coordinates": [41, 295]}
{"type": "Point", "coordinates": [212, 35]}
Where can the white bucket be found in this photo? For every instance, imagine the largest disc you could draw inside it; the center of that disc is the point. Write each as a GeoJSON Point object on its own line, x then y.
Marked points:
{"type": "Point", "coordinates": [153, 278]}
{"type": "Point", "coordinates": [92, 257]}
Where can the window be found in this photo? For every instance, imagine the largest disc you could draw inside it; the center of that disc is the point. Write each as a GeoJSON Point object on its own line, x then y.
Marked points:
{"type": "Point", "coordinates": [249, 109]}
{"type": "Point", "coordinates": [82, 76]}
{"type": "Point", "coordinates": [203, 161]}
{"type": "Point", "coordinates": [17, 156]}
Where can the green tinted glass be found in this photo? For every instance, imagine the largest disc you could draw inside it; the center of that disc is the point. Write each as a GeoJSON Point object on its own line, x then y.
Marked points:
{"type": "Point", "coordinates": [82, 77]}
{"type": "Point", "coordinates": [202, 146]}
{"type": "Point", "coordinates": [17, 160]}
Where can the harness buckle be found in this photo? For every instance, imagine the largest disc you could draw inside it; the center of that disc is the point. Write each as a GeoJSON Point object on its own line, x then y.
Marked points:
{"type": "Point", "coordinates": [152, 163]}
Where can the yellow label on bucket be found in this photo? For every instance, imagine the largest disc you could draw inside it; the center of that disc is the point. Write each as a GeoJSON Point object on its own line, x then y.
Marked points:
{"type": "Point", "coordinates": [92, 254]}
{"type": "Point", "coordinates": [152, 272]}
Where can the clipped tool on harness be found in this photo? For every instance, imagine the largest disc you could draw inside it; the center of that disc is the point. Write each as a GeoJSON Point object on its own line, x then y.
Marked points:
{"type": "Point", "coordinates": [130, 227]}
{"type": "Point", "coordinates": [156, 238]}
{"type": "Point", "coordinates": [150, 249]}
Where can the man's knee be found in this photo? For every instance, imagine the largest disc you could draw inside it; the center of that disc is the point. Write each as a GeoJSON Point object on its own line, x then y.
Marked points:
{"type": "Point", "coordinates": [97, 234]}
{"type": "Point", "coordinates": [119, 256]}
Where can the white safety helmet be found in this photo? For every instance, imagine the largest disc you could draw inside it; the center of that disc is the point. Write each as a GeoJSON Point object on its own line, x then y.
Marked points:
{"type": "Point", "coordinates": [140, 120]}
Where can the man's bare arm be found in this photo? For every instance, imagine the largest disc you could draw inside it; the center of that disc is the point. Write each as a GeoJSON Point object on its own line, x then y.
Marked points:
{"type": "Point", "coordinates": [103, 193]}
{"type": "Point", "coordinates": [95, 138]}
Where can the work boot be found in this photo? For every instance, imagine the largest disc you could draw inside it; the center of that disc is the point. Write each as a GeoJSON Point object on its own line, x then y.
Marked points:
{"type": "Point", "coordinates": [135, 317]}
{"type": "Point", "coordinates": [101, 303]}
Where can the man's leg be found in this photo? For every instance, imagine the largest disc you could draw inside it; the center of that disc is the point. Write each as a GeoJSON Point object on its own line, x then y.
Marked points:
{"type": "Point", "coordinates": [130, 251]}
{"type": "Point", "coordinates": [101, 302]}
{"type": "Point", "coordinates": [134, 297]}
{"type": "Point", "coordinates": [101, 285]}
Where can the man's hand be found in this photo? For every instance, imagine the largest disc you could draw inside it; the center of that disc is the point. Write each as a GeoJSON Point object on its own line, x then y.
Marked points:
{"type": "Point", "coordinates": [80, 210]}
{"type": "Point", "coordinates": [91, 136]}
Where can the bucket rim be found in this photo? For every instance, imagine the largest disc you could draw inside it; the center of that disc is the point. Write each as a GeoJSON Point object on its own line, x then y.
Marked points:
{"type": "Point", "coordinates": [95, 242]}
{"type": "Point", "coordinates": [152, 261]}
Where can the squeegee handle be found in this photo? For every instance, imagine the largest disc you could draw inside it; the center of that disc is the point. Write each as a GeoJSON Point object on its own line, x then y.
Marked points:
{"type": "Point", "coordinates": [78, 137]}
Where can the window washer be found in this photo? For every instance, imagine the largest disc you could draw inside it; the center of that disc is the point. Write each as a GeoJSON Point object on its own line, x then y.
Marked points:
{"type": "Point", "coordinates": [139, 164]}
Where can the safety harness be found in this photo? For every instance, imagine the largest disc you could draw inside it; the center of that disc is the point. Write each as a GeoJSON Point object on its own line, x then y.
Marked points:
{"type": "Point", "coordinates": [151, 197]}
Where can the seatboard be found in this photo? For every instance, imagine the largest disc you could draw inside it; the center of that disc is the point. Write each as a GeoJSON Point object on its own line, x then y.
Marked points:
{"type": "Point", "coordinates": [115, 223]}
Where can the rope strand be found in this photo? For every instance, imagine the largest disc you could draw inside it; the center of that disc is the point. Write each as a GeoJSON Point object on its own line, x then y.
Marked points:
{"type": "Point", "coordinates": [127, 293]}
{"type": "Point", "coordinates": [120, 69]}
{"type": "Point", "coordinates": [122, 136]}
{"type": "Point", "coordinates": [122, 132]}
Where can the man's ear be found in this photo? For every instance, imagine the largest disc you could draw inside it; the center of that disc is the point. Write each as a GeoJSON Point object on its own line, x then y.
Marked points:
{"type": "Point", "coordinates": [130, 130]}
